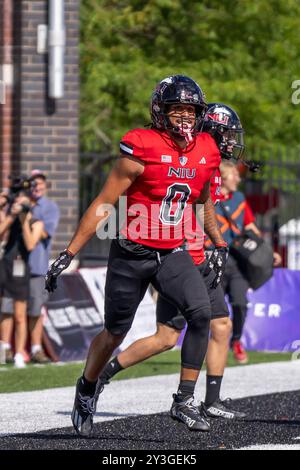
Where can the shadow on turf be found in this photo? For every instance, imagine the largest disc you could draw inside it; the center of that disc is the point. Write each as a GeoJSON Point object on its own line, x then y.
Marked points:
{"type": "Point", "coordinates": [72, 435]}
{"type": "Point", "coordinates": [103, 413]}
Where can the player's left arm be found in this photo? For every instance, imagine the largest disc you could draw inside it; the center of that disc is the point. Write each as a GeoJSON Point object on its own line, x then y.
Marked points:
{"type": "Point", "coordinates": [211, 226]}
{"type": "Point", "coordinates": [218, 258]}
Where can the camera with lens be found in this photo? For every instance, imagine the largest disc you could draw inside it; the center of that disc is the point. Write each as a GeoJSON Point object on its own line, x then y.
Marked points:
{"type": "Point", "coordinates": [20, 184]}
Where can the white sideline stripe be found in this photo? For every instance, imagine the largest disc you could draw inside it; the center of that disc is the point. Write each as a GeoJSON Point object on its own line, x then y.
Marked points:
{"type": "Point", "coordinates": [272, 447]}
{"type": "Point", "coordinates": [4, 368]}
{"type": "Point", "coordinates": [39, 410]}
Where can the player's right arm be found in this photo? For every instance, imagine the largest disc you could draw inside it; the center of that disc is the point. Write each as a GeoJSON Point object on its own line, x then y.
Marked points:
{"type": "Point", "coordinates": [124, 173]}
{"type": "Point", "coordinates": [121, 177]}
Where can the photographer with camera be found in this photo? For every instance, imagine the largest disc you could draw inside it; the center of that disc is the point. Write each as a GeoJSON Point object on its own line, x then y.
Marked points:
{"type": "Point", "coordinates": [47, 211]}
{"type": "Point", "coordinates": [22, 231]}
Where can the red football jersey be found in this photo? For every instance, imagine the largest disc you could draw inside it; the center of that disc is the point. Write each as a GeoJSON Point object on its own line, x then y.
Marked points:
{"type": "Point", "coordinates": [159, 202]}
{"type": "Point", "coordinates": [195, 244]}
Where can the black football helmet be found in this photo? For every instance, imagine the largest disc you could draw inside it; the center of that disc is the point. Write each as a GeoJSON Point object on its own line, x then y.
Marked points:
{"type": "Point", "coordinates": [177, 89]}
{"type": "Point", "coordinates": [223, 123]}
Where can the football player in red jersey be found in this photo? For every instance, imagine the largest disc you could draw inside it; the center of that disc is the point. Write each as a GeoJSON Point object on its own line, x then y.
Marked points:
{"type": "Point", "coordinates": [224, 125]}
{"type": "Point", "coordinates": [163, 170]}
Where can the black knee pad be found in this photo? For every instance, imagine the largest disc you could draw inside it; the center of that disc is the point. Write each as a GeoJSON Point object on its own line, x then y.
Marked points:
{"type": "Point", "coordinates": [117, 330]}
{"type": "Point", "coordinates": [177, 323]}
{"type": "Point", "coordinates": [199, 318]}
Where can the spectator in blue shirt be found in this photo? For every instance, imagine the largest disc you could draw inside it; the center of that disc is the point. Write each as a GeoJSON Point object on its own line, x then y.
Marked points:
{"type": "Point", "coordinates": [46, 211]}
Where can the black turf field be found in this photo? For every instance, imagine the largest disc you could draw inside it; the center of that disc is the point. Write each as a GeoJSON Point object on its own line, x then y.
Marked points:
{"type": "Point", "coordinates": [272, 419]}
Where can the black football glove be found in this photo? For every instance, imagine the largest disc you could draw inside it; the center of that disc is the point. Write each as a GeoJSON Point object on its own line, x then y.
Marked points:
{"type": "Point", "coordinates": [217, 263]}
{"type": "Point", "coordinates": [60, 264]}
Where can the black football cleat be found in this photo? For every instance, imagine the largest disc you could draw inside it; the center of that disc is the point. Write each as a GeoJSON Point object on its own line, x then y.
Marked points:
{"type": "Point", "coordinates": [83, 412]}
{"type": "Point", "coordinates": [187, 412]}
{"type": "Point", "coordinates": [221, 409]}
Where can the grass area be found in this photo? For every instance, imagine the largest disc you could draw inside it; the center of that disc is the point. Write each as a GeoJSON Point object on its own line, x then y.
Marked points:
{"type": "Point", "coordinates": [54, 375]}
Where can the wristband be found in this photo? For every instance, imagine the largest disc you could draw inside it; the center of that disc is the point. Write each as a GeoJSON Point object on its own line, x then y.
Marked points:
{"type": "Point", "coordinates": [70, 252]}
{"type": "Point", "coordinates": [221, 245]}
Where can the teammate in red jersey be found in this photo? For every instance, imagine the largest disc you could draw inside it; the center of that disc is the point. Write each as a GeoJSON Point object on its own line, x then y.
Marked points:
{"type": "Point", "coordinates": [164, 170]}
{"type": "Point", "coordinates": [170, 321]}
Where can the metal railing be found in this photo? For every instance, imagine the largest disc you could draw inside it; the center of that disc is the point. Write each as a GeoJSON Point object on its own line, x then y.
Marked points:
{"type": "Point", "coordinates": [273, 193]}
{"type": "Point", "coordinates": [94, 168]}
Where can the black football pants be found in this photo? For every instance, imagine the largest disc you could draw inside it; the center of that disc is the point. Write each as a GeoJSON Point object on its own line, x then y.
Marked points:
{"type": "Point", "coordinates": [132, 266]}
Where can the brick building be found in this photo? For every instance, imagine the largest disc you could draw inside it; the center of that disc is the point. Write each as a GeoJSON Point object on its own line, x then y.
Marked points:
{"type": "Point", "coordinates": [37, 131]}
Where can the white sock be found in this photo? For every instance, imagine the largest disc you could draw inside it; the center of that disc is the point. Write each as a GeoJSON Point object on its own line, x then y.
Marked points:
{"type": "Point", "coordinates": [6, 346]}
{"type": "Point", "coordinates": [35, 348]}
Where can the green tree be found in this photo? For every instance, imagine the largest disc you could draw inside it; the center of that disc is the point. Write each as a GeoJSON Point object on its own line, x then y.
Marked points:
{"type": "Point", "coordinates": [243, 53]}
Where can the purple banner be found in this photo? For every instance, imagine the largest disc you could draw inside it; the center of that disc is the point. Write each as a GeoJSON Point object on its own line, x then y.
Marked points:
{"type": "Point", "coordinates": [72, 318]}
{"type": "Point", "coordinates": [273, 320]}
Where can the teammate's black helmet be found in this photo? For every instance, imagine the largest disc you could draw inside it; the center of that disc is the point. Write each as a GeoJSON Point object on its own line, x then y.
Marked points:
{"type": "Point", "coordinates": [177, 89]}
{"type": "Point", "coordinates": [223, 123]}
